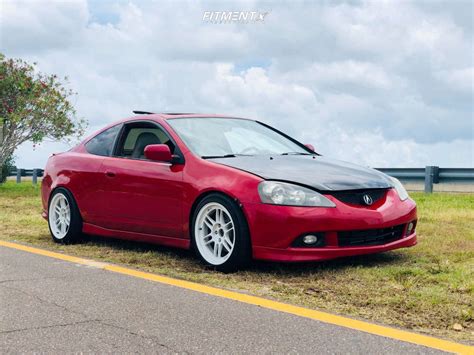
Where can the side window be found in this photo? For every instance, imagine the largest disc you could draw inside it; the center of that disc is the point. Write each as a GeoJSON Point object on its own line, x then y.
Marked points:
{"type": "Point", "coordinates": [103, 143]}
{"type": "Point", "coordinates": [137, 136]}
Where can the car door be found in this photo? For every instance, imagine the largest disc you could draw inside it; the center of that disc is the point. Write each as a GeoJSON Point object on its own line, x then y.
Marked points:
{"type": "Point", "coordinates": [88, 178]}
{"type": "Point", "coordinates": [140, 195]}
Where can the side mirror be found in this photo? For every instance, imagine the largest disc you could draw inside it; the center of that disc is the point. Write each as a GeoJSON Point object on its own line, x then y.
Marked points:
{"type": "Point", "coordinates": [310, 147]}
{"type": "Point", "coordinates": [158, 152]}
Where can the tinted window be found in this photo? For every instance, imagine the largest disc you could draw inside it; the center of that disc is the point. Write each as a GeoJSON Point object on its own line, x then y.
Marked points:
{"type": "Point", "coordinates": [103, 143]}
{"type": "Point", "coordinates": [136, 136]}
{"type": "Point", "coordinates": [134, 133]}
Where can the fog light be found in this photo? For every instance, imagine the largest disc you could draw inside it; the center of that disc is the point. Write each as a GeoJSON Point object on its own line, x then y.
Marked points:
{"type": "Point", "coordinates": [410, 228]}
{"type": "Point", "coordinates": [310, 239]}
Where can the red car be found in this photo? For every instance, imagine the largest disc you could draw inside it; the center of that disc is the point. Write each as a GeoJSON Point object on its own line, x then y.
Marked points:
{"type": "Point", "coordinates": [230, 188]}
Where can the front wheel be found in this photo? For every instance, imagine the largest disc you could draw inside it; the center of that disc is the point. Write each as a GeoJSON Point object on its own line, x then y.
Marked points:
{"type": "Point", "coordinates": [220, 233]}
{"type": "Point", "coordinates": [64, 219]}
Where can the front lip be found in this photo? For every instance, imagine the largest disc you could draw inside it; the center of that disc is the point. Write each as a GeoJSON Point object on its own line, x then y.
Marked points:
{"type": "Point", "coordinates": [317, 172]}
{"type": "Point", "coordinates": [321, 254]}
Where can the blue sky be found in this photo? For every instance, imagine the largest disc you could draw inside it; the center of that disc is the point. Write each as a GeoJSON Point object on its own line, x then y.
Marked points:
{"type": "Point", "coordinates": [379, 83]}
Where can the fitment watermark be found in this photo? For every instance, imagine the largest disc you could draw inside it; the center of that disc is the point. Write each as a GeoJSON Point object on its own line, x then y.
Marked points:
{"type": "Point", "coordinates": [229, 17]}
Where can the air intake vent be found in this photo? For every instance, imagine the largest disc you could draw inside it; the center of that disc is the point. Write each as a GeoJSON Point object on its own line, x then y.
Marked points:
{"type": "Point", "coordinates": [356, 197]}
{"type": "Point", "coordinates": [370, 236]}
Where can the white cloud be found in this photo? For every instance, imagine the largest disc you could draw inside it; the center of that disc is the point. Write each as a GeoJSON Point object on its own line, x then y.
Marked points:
{"type": "Point", "coordinates": [364, 74]}
{"type": "Point", "coordinates": [34, 26]}
{"type": "Point", "coordinates": [461, 80]}
{"type": "Point", "coordinates": [382, 83]}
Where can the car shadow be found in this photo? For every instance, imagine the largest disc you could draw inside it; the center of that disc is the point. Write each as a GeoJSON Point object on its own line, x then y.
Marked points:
{"type": "Point", "coordinates": [339, 264]}
{"type": "Point", "coordinates": [257, 266]}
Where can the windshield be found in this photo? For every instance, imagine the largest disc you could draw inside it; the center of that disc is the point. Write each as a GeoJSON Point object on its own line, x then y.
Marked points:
{"type": "Point", "coordinates": [221, 137]}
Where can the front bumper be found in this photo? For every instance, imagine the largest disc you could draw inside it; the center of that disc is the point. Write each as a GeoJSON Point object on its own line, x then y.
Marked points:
{"type": "Point", "coordinates": [327, 253]}
{"type": "Point", "coordinates": [273, 229]}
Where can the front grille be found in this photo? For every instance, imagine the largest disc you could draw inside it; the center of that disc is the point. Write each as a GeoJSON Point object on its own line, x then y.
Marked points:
{"type": "Point", "coordinates": [370, 236]}
{"type": "Point", "coordinates": [356, 197]}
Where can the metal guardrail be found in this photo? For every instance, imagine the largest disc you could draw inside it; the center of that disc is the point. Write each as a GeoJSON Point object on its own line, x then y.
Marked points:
{"type": "Point", "coordinates": [34, 173]}
{"type": "Point", "coordinates": [430, 175]}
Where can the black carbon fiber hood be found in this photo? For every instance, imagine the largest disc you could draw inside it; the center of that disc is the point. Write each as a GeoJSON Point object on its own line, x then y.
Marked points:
{"type": "Point", "coordinates": [320, 173]}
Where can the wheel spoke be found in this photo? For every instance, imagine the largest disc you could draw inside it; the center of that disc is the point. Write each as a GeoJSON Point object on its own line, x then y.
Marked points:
{"type": "Point", "coordinates": [206, 242]}
{"type": "Point", "coordinates": [227, 246]}
{"type": "Point", "coordinates": [215, 249]}
{"type": "Point", "coordinates": [219, 217]}
{"type": "Point", "coordinates": [208, 225]}
{"type": "Point", "coordinates": [209, 222]}
{"type": "Point", "coordinates": [228, 241]}
{"type": "Point", "coordinates": [219, 250]}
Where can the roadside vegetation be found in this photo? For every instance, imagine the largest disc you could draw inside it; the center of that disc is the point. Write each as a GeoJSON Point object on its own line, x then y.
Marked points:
{"type": "Point", "coordinates": [428, 288]}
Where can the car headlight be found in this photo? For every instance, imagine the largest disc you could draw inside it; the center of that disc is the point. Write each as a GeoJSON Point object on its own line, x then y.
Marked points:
{"type": "Point", "coordinates": [397, 185]}
{"type": "Point", "coordinates": [282, 193]}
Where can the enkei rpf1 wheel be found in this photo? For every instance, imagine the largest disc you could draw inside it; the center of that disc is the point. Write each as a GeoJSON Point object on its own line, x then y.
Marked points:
{"type": "Point", "coordinates": [220, 233]}
{"type": "Point", "coordinates": [64, 219]}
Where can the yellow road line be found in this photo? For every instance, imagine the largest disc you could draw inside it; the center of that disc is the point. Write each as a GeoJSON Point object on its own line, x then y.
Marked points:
{"type": "Point", "coordinates": [387, 332]}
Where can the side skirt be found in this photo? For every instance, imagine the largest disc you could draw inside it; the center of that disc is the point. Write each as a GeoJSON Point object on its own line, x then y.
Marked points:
{"type": "Point", "coordinates": [88, 228]}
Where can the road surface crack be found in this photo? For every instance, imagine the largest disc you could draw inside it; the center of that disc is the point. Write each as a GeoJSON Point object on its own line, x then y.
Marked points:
{"type": "Point", "coordinates": [33, 279]}
{"type": "Point", "coordinates": [45, 301]}
{"type": "Point", "coordinates": [143, 336]}
{"type": "Point", "coordinates": [48, 326]}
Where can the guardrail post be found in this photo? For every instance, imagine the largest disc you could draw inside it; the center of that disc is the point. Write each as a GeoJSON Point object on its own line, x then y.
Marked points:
{"type": "Point", "coordinates": [430, 172]}
{"type": "Point", "coordinates": [18, 175]}
{"type": "Point", "coordinates": [435, 174]}
{"type": "Point", "coordinates": [35, 176]}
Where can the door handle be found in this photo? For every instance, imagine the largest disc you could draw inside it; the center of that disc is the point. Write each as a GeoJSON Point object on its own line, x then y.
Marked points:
{"type": "Point", "coordinates": [110, 173]}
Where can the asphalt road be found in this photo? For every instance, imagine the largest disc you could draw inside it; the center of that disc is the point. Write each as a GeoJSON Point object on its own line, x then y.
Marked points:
{"type": "Point", "coordinates": [55, 306]}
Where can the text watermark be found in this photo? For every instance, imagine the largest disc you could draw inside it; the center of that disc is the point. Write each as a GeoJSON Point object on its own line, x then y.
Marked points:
{"type": "Point", "coordinates": [228, 17]}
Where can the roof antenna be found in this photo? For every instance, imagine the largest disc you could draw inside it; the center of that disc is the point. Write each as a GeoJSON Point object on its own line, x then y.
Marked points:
{"type": "Point", "coordinates": [142, 112]}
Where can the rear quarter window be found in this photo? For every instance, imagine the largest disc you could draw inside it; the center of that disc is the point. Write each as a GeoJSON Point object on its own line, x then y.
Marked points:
{"type": "Point", "coordinates": [103, 143]}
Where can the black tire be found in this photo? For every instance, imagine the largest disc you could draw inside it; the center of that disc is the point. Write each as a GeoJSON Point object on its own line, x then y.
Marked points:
{"type": "Point", "coordinates": [74, 232]}
{"type": "Point", "coordinates": [241, 252]}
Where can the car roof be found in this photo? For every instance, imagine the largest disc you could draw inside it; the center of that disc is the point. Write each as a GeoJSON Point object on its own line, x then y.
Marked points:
{"type": "Point", "coordinates": [171, 115]}
{"type": "Point", "coordinates": [146, 115]}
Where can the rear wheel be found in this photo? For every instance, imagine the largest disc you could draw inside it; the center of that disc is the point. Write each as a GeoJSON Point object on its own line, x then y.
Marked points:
{"type": "Point", "coordinates": [220, 233]}
{"type": "Point", "coordinates": [64, 219]}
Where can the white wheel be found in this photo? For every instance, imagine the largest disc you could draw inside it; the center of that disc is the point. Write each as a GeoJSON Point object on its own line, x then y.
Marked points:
{"type": "Point", "coordinates": [214, 232]}
{"type": "Point", "coordinates": [59, 216]}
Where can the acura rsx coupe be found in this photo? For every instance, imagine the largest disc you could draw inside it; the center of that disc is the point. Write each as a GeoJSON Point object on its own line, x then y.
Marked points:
{"type": "Point", "coordinates": [232, 189]}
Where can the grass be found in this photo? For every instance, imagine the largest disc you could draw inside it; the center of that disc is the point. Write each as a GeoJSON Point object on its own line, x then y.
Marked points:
{"type": "Point", "coordinates": [428, 288]}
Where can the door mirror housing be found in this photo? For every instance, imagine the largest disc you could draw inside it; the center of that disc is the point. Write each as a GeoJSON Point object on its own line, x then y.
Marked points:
{"type": "Point", "coordinates": [158, 152]}
{"type": "Point", "coordinates": [309, 146]}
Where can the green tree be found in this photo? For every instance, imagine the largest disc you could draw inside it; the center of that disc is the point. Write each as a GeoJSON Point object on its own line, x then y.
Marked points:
{"type": "Point", "coordinates": [6, 168]}
{"type": "Point", "coordinates": [33, 107]}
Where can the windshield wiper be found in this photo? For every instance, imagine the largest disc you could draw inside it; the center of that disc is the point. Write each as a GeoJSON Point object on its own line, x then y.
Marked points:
{"type": "Point", "coordinates": [296, 153]}
{"type": "Point", "coordinates": [225, 156]}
